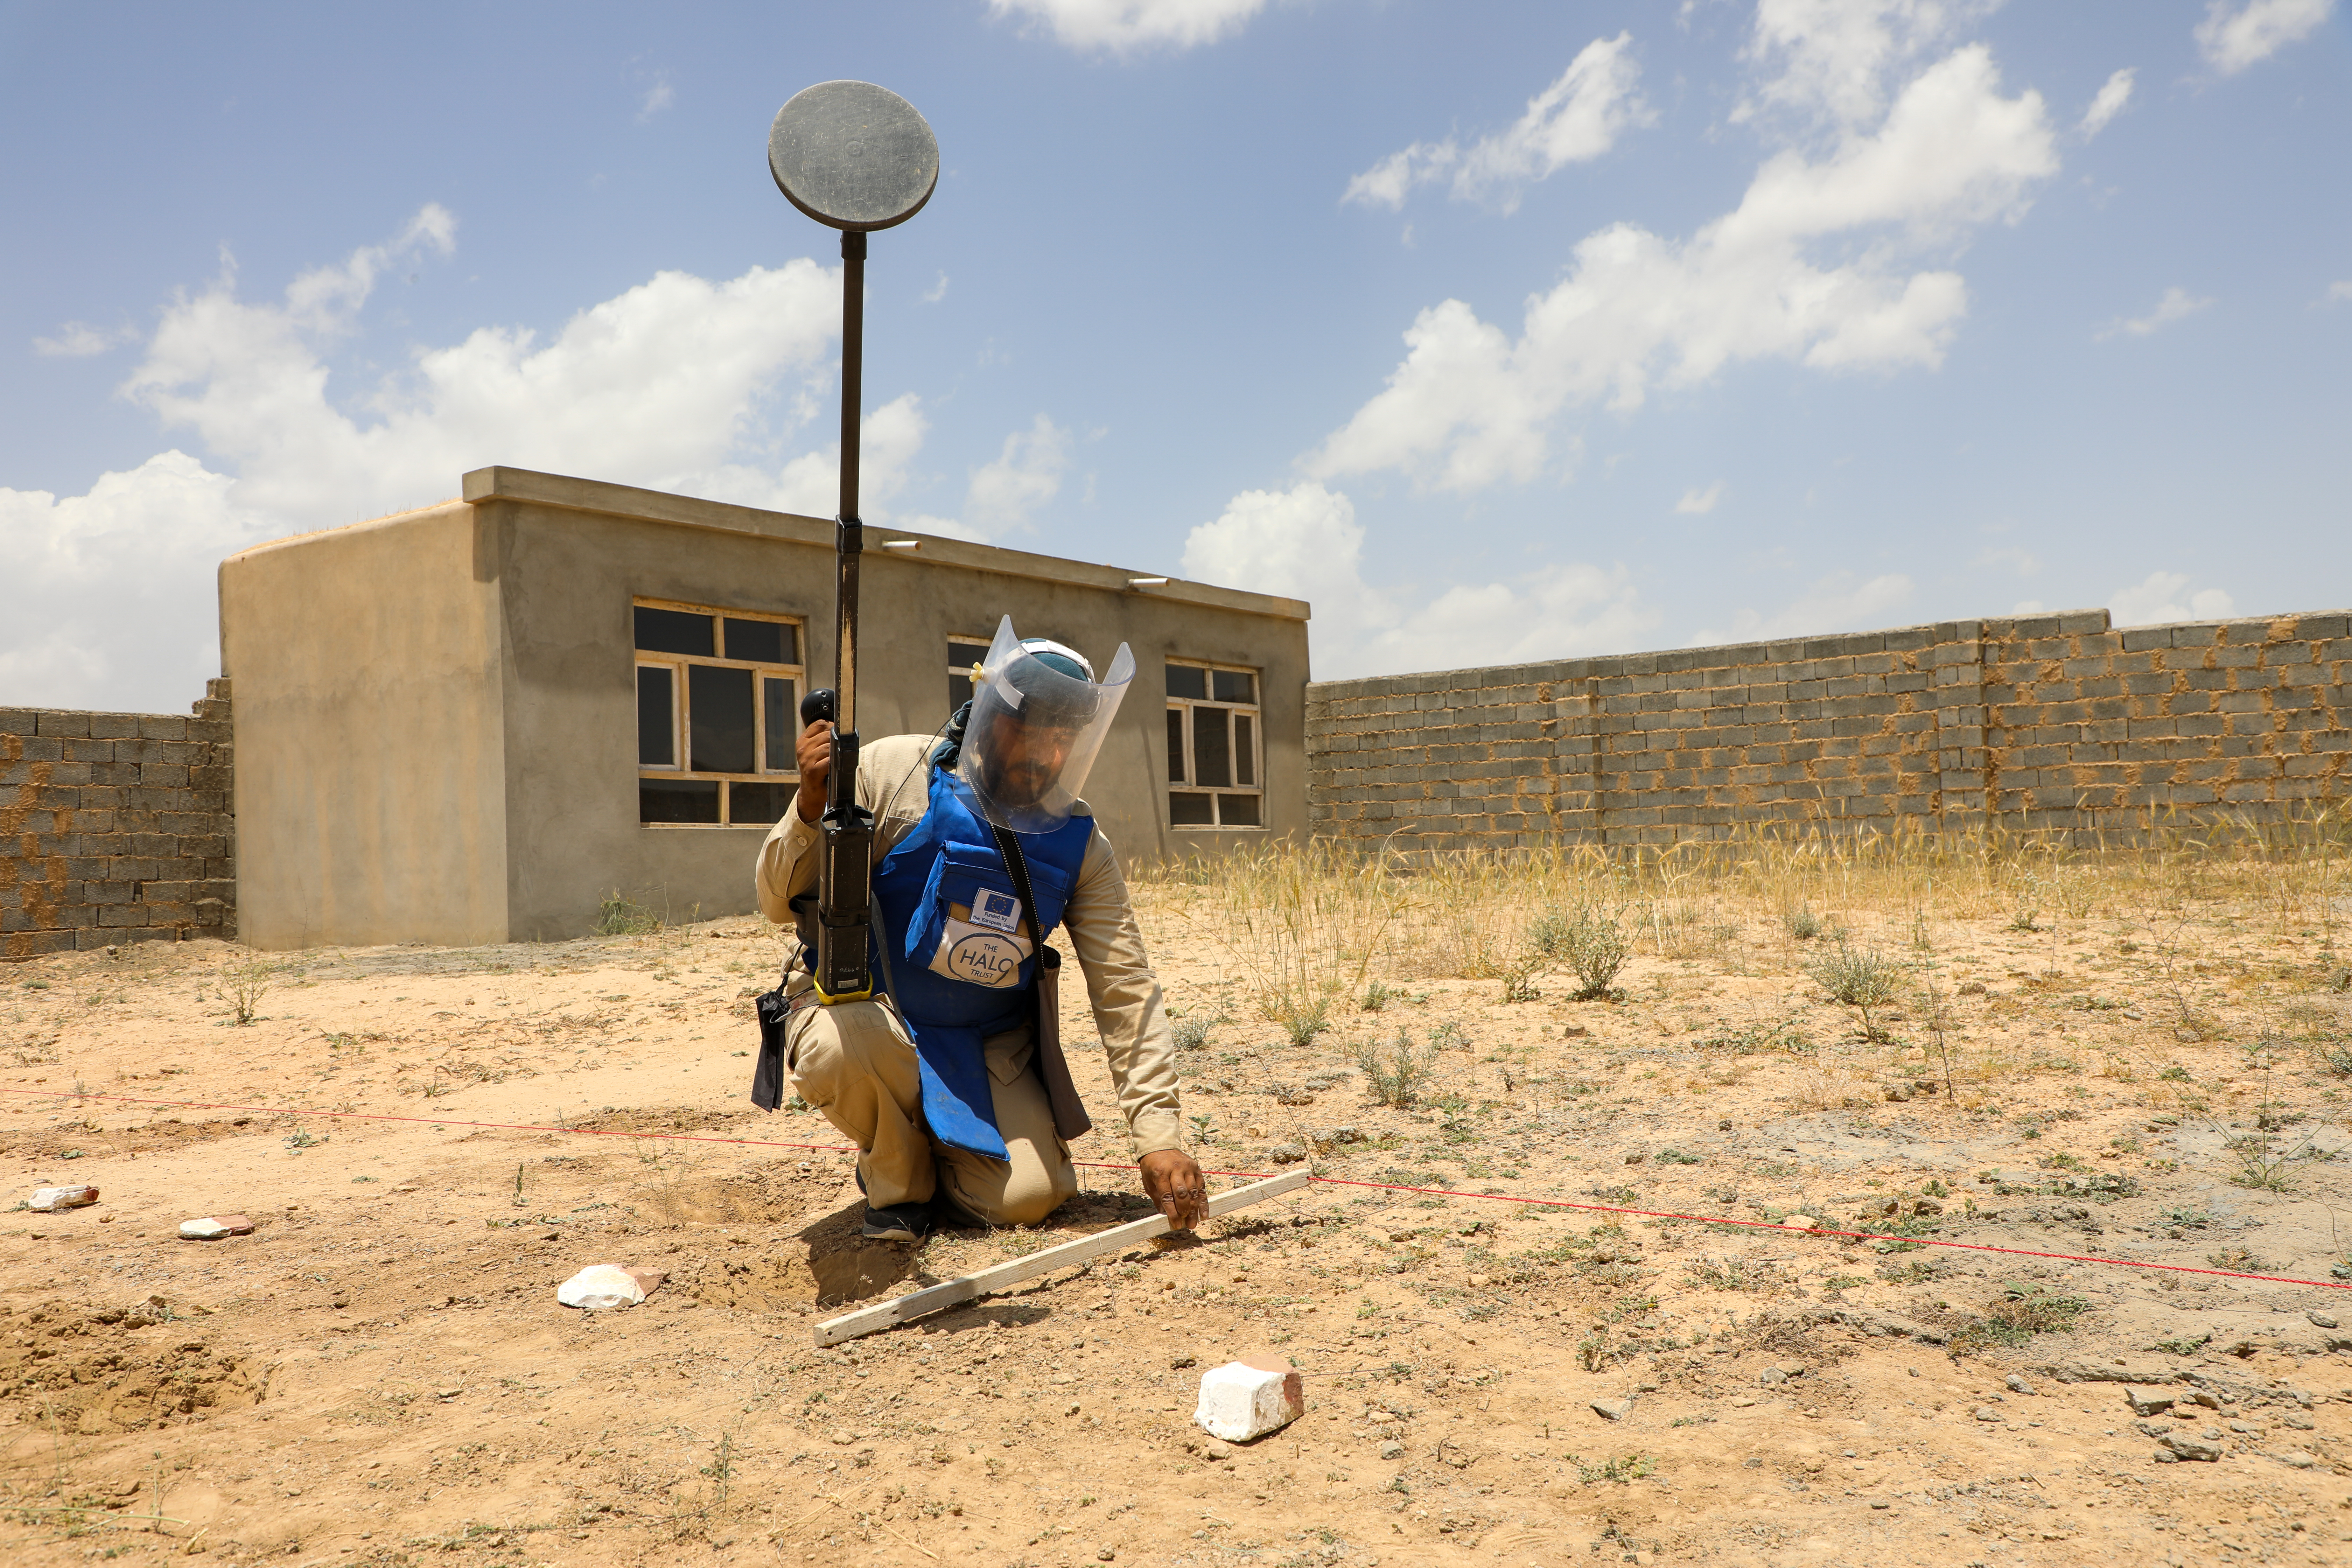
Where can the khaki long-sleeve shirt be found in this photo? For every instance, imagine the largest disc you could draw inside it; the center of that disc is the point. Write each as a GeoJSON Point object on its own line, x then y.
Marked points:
{"type": "Point", "coordinates": [894, 784]}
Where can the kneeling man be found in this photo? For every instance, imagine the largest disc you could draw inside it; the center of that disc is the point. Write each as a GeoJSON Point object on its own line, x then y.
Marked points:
{"type": "Point", "coordinates": [981, 847]}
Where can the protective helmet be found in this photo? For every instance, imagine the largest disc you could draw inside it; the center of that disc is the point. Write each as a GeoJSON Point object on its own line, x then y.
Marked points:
{"type": "Point", "coordinates": [1038, 717]}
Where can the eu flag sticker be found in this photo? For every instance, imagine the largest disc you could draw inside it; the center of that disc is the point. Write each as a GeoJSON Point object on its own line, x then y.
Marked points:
{"type": "Point", "coordinates": [999, 911]}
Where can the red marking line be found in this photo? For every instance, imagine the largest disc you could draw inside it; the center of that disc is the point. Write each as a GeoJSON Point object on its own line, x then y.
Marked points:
{"type": "Point", "coordinates": [1252, 1175]}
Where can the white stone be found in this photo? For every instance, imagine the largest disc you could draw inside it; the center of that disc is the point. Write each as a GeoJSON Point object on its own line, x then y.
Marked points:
{"type": "Point", "coordinates": [1247, 1399]}
{"type": "Point", "coordinates": [49, 1200]}
{"type": "Point", "coordinates": [213, 1227]}
{"type": "Point", "coordinates": [599, 1287]}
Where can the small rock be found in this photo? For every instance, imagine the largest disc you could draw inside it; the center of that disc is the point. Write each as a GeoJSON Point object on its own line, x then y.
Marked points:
{"type": "Point", "coordinates": [1249, 1399]}
{"type": "Point", "coordinates": [2167, 1457]}
{"type": "Point", "coordinates": [445, 1394]}
{"type": "Point", "coordinates": [1771, 1375]}
{"type": "Point", "coordinates": [1927, 1206]}
{"type": "Point", "coordinates": [2295, 1458]}
{"type": "Point", "coordinates": [1476, 1281]}
{"type": "Point", "coordinates": [844, 1437]}
{"type": "Point", "coordinates": [2206, 1397]}
{"type": "Point", "coordinates": [601, 1287]}
{"type": "Point", "coordinates": [49, 1200]}
{"type": "Point", "coordinates": [1973, 988]}
{"type": "Point", "coordinates": [2320, 1320]}
{"type": "Point", "coordinates": [1105, 1553]}
{"type": "Point", "coordinates": [1286, 1153]}
{"type": "Point", "coordinates": [1612, 1409]}
{"type": "Point", "coordinates": [1393, 1451]}
{"type": "Point", "coordinates": [1346, 1135]}
{"type": "Point", "coordinates": [1184, 1361]}
{"type": "Point", "coordinates": [1635, 1158]}
{"type": "Point", "coordinates": [2148, 1401]}
{"type": "Point", "coordinates": [2017, 1385]}
{"type": "Point", "coordinates": [1801, 1222]}
{"type": "Point", "coordinates": [1219, 1450]}
{"type": "Point", "coordinates": [1574, 1032]}
{"type": "Point", "coordinates": [2149, 1430]}
{"type": "Point", "coordinates": [1987, 1412]}
{"type": "Point", "coordinates": [2184, 1446]}
{"type": "Point", "coordinates": [215, 1226]}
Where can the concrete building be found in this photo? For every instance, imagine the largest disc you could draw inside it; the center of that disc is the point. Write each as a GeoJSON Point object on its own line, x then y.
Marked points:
{"type": "Point", "coordinates": [473, 721]}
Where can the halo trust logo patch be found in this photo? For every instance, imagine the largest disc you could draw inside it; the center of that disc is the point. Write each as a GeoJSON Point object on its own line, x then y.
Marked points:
{"type": "Point", "coordinates": [984, 958]}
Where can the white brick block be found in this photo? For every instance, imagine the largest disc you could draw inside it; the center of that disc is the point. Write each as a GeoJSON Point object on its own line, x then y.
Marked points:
{"type": "Point", "coordinates": [1249, 1399]}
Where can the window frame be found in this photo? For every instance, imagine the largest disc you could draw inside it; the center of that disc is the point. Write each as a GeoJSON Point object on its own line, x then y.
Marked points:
{"type": "Point", "coordinates": [1186, 759]}
{"type": "Point", "coordinates": [963, 671]}
{"type": "Point", "coordinates": [682, 699]}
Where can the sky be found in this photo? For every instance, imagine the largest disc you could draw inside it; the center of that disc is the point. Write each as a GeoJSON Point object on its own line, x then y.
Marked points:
{"type": "Point", "coordinates": [1498, 332]}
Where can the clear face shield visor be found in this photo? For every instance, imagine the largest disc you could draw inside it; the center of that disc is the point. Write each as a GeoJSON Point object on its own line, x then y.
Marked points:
{"type": "Point", "coordinates": [1033, 733]}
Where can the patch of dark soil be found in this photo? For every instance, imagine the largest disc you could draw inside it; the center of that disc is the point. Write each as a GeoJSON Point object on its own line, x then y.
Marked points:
{"type": "Point", "coordinates": [91, 1372]}
{"type": "Point", "coordinates": [173, 1133]}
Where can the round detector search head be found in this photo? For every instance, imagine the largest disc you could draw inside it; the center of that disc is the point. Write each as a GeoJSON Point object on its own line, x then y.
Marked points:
{"type": "Point", "coordinates": [853, 155]}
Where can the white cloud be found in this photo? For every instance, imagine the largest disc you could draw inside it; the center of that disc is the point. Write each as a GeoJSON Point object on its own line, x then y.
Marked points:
{"type": "Point", "coordinates": [2159, 599]}
{"type": "Point", "coordinates": [1387, 183]}
{"type": "Point", "coordinates": [1005, 494]}
{"type": "Point", "coordinates": [1556, 611]}
{"type": "Point", "coordinates": [2340, 293]}
{"type": "Point", "coordinates": [1305, 543]}
{"type": "Point", "coordinates": [936, 291]}
{"type": "Point", "coordinates": [678, 384]}
{"type": "Point", "coordinates": [1468, 407]}
{"type": "Point", "coordinates": [658, 97]}
{"type": "Point", "coordinates": [2113, 96]}
{"type": "Point", "coordinates": [1125, 26]}
{"type": "Point", "coordinates": [1575, 119]}
{"type": "Point", "coordinates": [2176, 304]}
{"type": "Point", "coordinates": [2028, 608]}
{"type": "Point", "coordinates": [809, 484]}
{"type": "Point", "coordinates": [1836, 57]}
{"type": "Point", "coordinates": [2233, 37]}
{"type": "Point", "coordinates": [2014, 558]}
{"type": "Point", "coordinates": [80, 339]}
{"type": "Point", "coordinates": [1302, 543]}
{"type": "Point", "coordinates": [1841, 602]}
{"type": "Point", "coordinates": [658, 385]}
{"type": "Point", "coordinates": [1698, 503]}
{"type": "Point", "coordinates": [110, 594]}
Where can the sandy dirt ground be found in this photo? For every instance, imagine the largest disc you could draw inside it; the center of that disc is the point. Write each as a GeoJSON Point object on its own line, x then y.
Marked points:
{"type": "Point", "coordinates": [381, 1374]}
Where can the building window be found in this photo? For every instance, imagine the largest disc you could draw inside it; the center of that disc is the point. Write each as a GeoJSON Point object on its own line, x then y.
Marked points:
{"type": "Point", "coordinates": [718, 715]}
{"type": "Point", "coordinates": [962, 654]}
{"type": "Point", "coordinates": [1215, 768]}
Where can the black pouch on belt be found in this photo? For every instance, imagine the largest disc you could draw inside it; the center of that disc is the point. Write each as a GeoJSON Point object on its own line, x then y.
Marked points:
{"type": "Point", "coordinates": [1070, 1118]}
{"type": "Point", "coordinates": [768, 1074]}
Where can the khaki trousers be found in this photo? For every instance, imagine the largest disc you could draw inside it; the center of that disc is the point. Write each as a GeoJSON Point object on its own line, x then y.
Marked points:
{"type": "Point", "coordinates": [855, 1063]}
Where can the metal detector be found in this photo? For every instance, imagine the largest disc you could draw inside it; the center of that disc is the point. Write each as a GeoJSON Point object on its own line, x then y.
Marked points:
{"type": "Point", "coordinates": [854, 157]}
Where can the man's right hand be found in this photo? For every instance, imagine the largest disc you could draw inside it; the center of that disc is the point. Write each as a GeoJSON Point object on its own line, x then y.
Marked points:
{"type": "Point", "coordinates": [816, 759]}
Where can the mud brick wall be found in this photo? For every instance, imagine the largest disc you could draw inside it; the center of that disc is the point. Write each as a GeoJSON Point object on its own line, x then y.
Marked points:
{"type": "Point", "coordinates": [2051, 721]}
{"type": "Point", "coordinates": [115, 827]}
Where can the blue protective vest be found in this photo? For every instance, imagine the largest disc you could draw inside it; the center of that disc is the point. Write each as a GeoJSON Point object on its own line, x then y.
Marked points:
{"type": "Point", "coordinates": [950, 858]}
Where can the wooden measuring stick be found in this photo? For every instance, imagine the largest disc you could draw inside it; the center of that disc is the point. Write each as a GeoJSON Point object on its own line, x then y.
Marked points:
{"type": "Point", "coordinates": [987, 1281]}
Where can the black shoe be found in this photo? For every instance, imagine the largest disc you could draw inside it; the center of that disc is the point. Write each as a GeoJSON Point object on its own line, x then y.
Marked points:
{"type": "Point", "coordinates": [899, 1222]}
